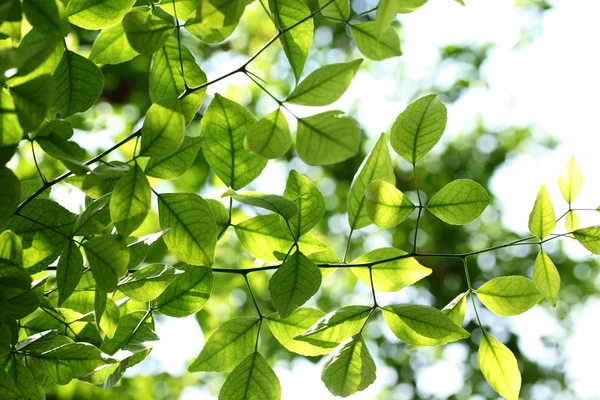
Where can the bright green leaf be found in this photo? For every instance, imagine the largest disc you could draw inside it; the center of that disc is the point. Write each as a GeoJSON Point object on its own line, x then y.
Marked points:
{"type": "Point", "coordinates": [207, 34]}
{"type": "Point", "coordinates": [10, 129]}
{"type": "Point", "coordinates": [509, 295]}
{"type": "Point", "coordinates": [390, 276]}
{"type": "Point", "coordinates": [97, 14]}
{"type": "Point", "coordinates": [224, 127]}
{"type": "Point", "coordinates": [94, 218]}
{"type": "Point", "coordinates": [112, 47]}
{"type": "Point", "coordinates": [79, 83]}
{"type": "Point", "coordinates": [163, 130]}
{"type": "Point", "coordinates": [459, 202]}
{"type": "Point", "coordinates": [456, 309]}
{"type": "Point", "coordinates": [286, 329]}
{"type": "Point", "coordinates": [109, 320]}
{"type": "Point", "coordinates": [270, 136]}
{"type": "Point", "coordinates": [53, 139]}
{"type": "Point", "coordinates": [386, 206]}
{"type": "Point", "coordinates": [177, 163]}
{"type": "Point", "coordinates": [387, 10]}
{"type": "Point", "coordinates": [280, 205]}
{"type": "Point", "coordinates": [294, 282]}
{"type": "Point", "coordinates": [570, 180]}
{"type": "Point", "coordinates": [377, 165]}
{"type": "Point", "coordinates": [147, 283]}
{"type": "Point", "coordinates": [418, 128]}
{"type": "Point", "coordinates": [253, 378]}
{"type": "Point", "coordinates": [220, 13]}
{"type": "Point", "coordinates": [422, 326]}
{"type": "Point", "coordinates": [335, 10]}
{"type": "Point", "coordinates": [231, 343]}
{"type": "Point", "coordinates": [308, 200]}
{"type": "Point", "coordinates": [183, 7]}
{"type": "Point", "coordinates": [350, 368]}
{"type": "Point", "coordinates": [193, 234]}
{"type": "Point", "coordinates": [188, 293]}
{"type": "Point", "coordinates": [542, 220]}
{"type": "Point", "coordinates": [296, 42]}
{"type": "Point", "coordinates": [572, 222]}
{"type": "Point", "coordinates": [327, 138]}
{"type": "Point", "coordinates": [589, 238]}
{"type": "Point", "coordinates": [266, 238]}
{"type": "Point", "coordinates": [546, 277]}
{"type": "Point", "coordinates": [145, 32]}
{"type": "Point", "coordinates": [108, 257]}
{"type": "Point", "coordinates": [373, 46]}
{"type": "Point", "coordinates": [130, 201]}
{"type": "Point", "coordinates": [47, 15]}
{"type": "Point", "coordinates": [499, 367]}
{"type": "Point", "coordinates": [337, 326]}
{"type": "Point", "coordinates": [324, 85]}
{"type": "Point", "coordinates": [134, 337]}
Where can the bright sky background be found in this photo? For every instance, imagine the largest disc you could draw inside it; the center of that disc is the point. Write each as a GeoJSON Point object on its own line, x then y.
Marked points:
{"type": "Point", "coordinates": [551, 84]}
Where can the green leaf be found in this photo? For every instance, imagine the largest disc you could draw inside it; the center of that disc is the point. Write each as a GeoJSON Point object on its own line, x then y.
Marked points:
{"type": "Point", "coordinates": [53, 139]}
{"type": "Point", "coordinates": [37, 341]}
{"type": "Point", "coordinates": [193, 234]}
{"type": "Point", "coordinates": [390, 276]}
{"type": "Point", "coordinates": [48, 16]}
{"type": "Point", "coordinates": [386, 206]}
{"type": "Point", "coordinates": [109, 320]}
{"type": "Point", "coordinates": [8, 390]}
{"type": "Point", "coordinates": [459, 202]}
{"type": "Point", "coordinates": [377, 165]}
{"type": "Point", "coordinates": [589, 238]}
{"type": "Point", "coordinates": [94, 219]}
{"type": "Point", "coordinates": [32, 100]}
{"type": "Point", "coordinates": [228, 346]}
{"type": "Point", "coordinates": [112, 47]}
{"type": "Point", "coordinates": [572, 222]}
{"type": "Point", "coordinates": [79, 83]}
{"type": "Point", "coordinates": [224, 127]}
{"type": "Point", "coordinates": [70, 361]}
{"type": "Point", "coordinates": [252, 379]}
{"type": "Point", "coordinates": [296, 42]}
{"type": "Point", "coordinates": [163, 130]}
{"type": "Point", "coordinates": [145, 32]}
{"type": "Point", "coordinates": [499, 367]}
{"type": "Point", "coordinates": [327, 138]}
{"type": "Point", "coordinates": [130, 201]}
{"type": "Point", "coordinates": [10, 129]}
{"type": "Point", "coordinates": [148, 282]}
{"type": "Point", "coordinates": [350, 368]}
{"type": "Point", "coordinates": [286, 329]}
{"type": "Point", "coordinates": [456, 309]}
{"type": "Point", "coordinates": [570, 180]}
{"type": "Point", "coordinates": [294, 282]}
{"type": "Point", "coordinates": [265, 238]}
{"type": "Point", "coordinates": [183, 7]}
{"type": "Point", "coordinates": [546, 277]}
{"type": "Point", "coordinates": [220, 13]}
{"type": "Point", "coordinates": [97, 14]}
{"type": "Point", "coordinates": [177, 163]}
{"type": "Point", "coordinates": [309, 201]}
{"type": "Point", "coordinates": [166, 78]}
{"type": "Point", "coordinates": [69, 271]}
{"type": "Point", "coordinates": [21, 303]}
{"type": "Point", "coordinates": [221, 214]}
{"type": "Point", "coordinates": [188, 293]}
{"type": "Point", "coordinates": [326, 256]}
{"type": "Point", "coordinates": [134, 335]}
{"type": "Point", "coordinates": [509, 295]}
{"type": "Point", "coordinates": [10, 194]}
{"type": "Point", "coordinates": [43, 226]}
{"type": "Point", "coordinates": [12, 273]}
{"type": "Point", "coordinates": [101, 180]}
{"type": "Point", "coordinates": [324, 85]}
{"type": "Point", "coordinates": [108, 257]}
{"type": "Point", "coordinates": [542, 220]}
{"type": "Point", "coordinates": [387, 10]}
{"type": "Point", "coordinates": [34, 49]}
{"type": "Point", "coordinates": [373, 46]}
{"type": "Point", "coordinates": [335, 10]}
{"type": "Point", "coordinates": [23, 379]}
{"type": "Point", "coordinates": [418, 128]}
{"type": "Point", "coordinates": [206, 33]}
{"type": "Point", "coordinates": [139, 248]}
{"type": "Point", "coordinates": [422, 326]}
{"type": "Point", "coordinates": [280, 205]}
{"type": "Point", "coordinates": [270, 136]}
{"type": "Point", "coordinates": [337, 326]}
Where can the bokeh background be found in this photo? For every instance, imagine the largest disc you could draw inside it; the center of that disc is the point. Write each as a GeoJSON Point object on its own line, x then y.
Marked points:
{"type": "Point", "coordinates": [520, 80]}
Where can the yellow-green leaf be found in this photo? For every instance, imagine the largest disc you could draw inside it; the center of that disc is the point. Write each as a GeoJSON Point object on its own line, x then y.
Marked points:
{"type": "Point", "coordinates": [499, 367]}
{"type": "Point", "coordinates": [570, 180]}
{"type": "Point", "coordinates": [546, 277]}
{"type": "Point", "coordinates": [542, 220]}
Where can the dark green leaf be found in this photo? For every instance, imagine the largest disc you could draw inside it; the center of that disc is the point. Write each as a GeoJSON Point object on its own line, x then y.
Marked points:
{"type": "Point", "coordinates": [48, 16]}
{"type": "Point", "coordinates": [32, 100]}
{"type": "Point", "coordinates": [108, 257]}
{"type": "Point", "coordinates": [10, 194]}
{"type": "Point", "coordinates": [69, 271]}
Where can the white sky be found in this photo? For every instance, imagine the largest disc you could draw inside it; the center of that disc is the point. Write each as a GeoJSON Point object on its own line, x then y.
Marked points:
{"type": "Point", "coordinates": [551, 84]}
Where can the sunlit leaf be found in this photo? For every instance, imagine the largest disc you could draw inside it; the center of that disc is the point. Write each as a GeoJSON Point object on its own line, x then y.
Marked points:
{"type": "Point", "coordinates": [32, 100]}
{"type": "Point", "coordinates": [177, 163]}
{"type": "Point", "coordinates": [456, 309]}
{"type": "Point", "coordinates": [145, 32]}
{"type": "Point", "coordinates": [542, 220]}
{"type": "Point", "coordinates": [148, 282]}
{"type": "Point", "coordinates": [188, 293]}
{"type": "Point", "coordinates": [69, 271]}
{"type": "Point", "coordinates": [337, 326]}
{"type": "Point", "coordinates": [499, 367]}
{"type": "Point", "coordinates": [163, 130]}
{"type": "Point", "coordinates": [308, 199]}
{"type": "Point", "coordinates": [97, 14]}
{"type": "Point", "coordinates": [253, 378]}
{"type": "Point", "coordinates": [112, 47]}
{"type": "Point", "coordinates": [108, 257]}
{"type": "Point", "coordinates": [546, 277]}
{"type": "Point", "coordinates": [336, 10]}
{"type": "Point", "coordinates": [509, 295]}
{"type": "Point", "coordinates": [130, 201]}
{"type": "Point", "coordinates": [374, 46]}
{"type": "Point", "coordinates": [589, 238]}
{"type": "Point", "coordinates": [386, 206]}
{"type": "Point", "coordinates": [459, 202]}
{"type": "Point", "coordinates": [570, 180]}
{"type": "Point", "coordinates": [280, 205]}
{"type": "Point", "coordinates": [286, 329]}
{"type": "Point", "coordinates": [270, 136]}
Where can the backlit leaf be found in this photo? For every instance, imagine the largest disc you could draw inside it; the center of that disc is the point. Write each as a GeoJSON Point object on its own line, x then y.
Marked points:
{"type": "Point", "coordinates": [499, 367]}
{"type": "Point", "coordinates": [386, 206]}
{"type": "Point", "coordinates": [97, 14]}
{"type": "Point", "coordinates": [69, 271]}
{"type": "Point", "coordinates": [286, 329]}
{"type": "Point", "coordinates": [570, 180]}
{"type": "Point", "coordinates": [253, 378]}
{"type": "Point", "coordinates": [280, 205]}
{"type": "Point", "coordinates": [177, 163]}
{"type": "Point", "coordinates": [542, 220]}
{"type": "Point", "coordinates": [459, 202]}
{"type": "Point", "coordinates": [373, 46]}
{"type": "Point", "coordinates": [112, 47]}
{"type": "Point", "coordinates": [188, 293]}
{"type": "Point", "coordinates": [148, 282]}
{"type": "Point", "coordinates": [163, 130]}
{"type": "Point", "coordinates": [457, 309]}
{"type": "Point", "coordinates": [546, 277]}
{"type": "Point", "coordinates": [270, 136]}
{"type": "Point", "coordinates": [509, 295]}
{"type": "Point", "coordinates": [335, 10]}
{"type": "Point", "coordinates": [10, 194]}
{"type": "Point", "coordinates": [145, 32]}
{"type": "Point", "coordinates": [589, 238]}
{"type": "Point", "coordinates": [108, 257]}
{"type": "Point", "coordinates": [308, 199]}
{"type": "Point", "coordinates": [130, 201]}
